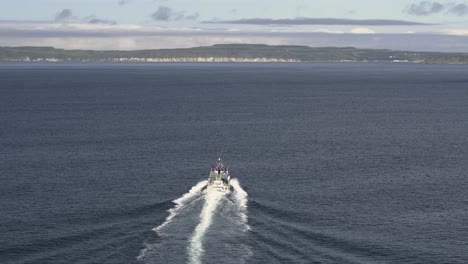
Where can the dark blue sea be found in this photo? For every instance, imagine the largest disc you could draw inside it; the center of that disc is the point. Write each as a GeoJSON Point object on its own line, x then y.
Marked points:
{"type": "Point", "coordinates": [331, 163]}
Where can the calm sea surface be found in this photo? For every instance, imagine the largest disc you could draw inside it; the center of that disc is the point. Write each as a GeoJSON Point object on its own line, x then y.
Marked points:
{"type": "Point", "coordinates": [336, 163]}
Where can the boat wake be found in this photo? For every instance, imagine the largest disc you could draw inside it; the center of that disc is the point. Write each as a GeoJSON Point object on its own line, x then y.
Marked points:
{"type": "Point", "coordinates": [205, 225]}
{"type": "Point", "coordinates": [241, 200]}
{"type": "Point", "coordinates": [181, 202]}
{"type": "Point", "coordinates": [195, 248]}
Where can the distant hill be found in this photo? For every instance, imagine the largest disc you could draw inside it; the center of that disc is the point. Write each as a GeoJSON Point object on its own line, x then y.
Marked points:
{"type": "Point", "coordinates": [231, 53]}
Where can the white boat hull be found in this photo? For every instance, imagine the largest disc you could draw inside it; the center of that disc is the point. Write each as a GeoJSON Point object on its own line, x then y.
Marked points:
{"type": "Point", "coordinates": [219, 178]}
{"type": "Point", "coordinates": [218, 186]}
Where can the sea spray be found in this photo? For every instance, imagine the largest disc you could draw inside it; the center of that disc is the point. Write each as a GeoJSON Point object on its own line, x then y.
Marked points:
{"type": "Point", "coordinates": [179, 208]}
{"type": "Point", "coordinates": [202, 219]}
{"type": "Point", "coordinates": [240, 198]}
{"type": "Point", "coordinates": [195, 247]}
{"type": "Point", "coordinates": [181, 202]}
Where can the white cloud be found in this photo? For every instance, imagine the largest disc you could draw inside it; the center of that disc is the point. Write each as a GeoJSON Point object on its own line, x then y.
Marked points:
{"type": "Point", "coordinates": [457, 32]}
{"type": "Point", "coordinates": [326, 30]}
{"type": "Point", "coordinates": [132, 37]}
{"type": "Point", "coordinates": [50, 29]}
{"type": "Point", "coordinates": [362, 30]}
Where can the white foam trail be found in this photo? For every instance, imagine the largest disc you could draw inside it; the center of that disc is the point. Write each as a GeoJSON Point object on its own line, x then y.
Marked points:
{"type": "Point", "coordinates": [195, 248]}
{"type": "Point", "coordinates": [234, 215]}
{"type": "Point", "coordinates": [241, 199]}
{"type": "Point", "coordinates": [181, 202]}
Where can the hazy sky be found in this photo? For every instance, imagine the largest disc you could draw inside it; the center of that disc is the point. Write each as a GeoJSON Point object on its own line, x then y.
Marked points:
{"type": "Point", "coordinates": [142, 24]}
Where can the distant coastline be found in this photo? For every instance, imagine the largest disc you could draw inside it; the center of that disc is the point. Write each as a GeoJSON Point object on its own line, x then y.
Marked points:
{"type": "Point", "coordinates": [237, 53]}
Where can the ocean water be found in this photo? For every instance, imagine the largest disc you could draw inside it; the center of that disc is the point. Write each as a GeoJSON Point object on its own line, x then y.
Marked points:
{"type": "Point", "coordinates": [333, 163]}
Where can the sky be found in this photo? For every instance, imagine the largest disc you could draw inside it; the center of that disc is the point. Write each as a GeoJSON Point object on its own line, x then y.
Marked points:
{"type": "Point", "coordinates": [154, 24]}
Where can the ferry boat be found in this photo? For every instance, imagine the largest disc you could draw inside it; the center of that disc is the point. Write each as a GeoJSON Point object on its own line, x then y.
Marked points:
{"type": "Point", "coordinates": [219, 177]}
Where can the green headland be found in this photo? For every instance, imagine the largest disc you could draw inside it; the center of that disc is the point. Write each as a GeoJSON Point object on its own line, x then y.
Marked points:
{"type": "Point", "coordinates": [231, 53]}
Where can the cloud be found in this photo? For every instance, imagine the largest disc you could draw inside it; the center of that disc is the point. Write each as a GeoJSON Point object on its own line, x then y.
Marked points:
{"type": "Point", "coordinates": [425, 8]}
{"type": "Point", "coordinates": [101, 21]}
{"type": "Point", "coordinates": [456, 32]}
{"type": "Point", "coordinates": [178, 16]}
{"type": "Point", "coordinates": [65, 15]}
{"type": "Point", "coordinates": [123, 2]}
{"type": "Point", "coordinates": [131, 37]}
{"type": "Point", "coordinates": [317, 21]}
{"type": "Point", "coordinates": [326, 30]}
{"type": "Point", "coordinates": [362, 30]}
{"type": "Point", "coordinates": [165, 13]}
{"type": "Point", "coordinates": [193, 16]}
{"type": "Point", "coordinates": [458, 9]}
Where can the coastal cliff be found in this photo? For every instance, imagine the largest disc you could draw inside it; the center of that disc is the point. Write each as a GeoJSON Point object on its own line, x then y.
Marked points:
{"type": "Point", "coordinates": [230, 53]}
